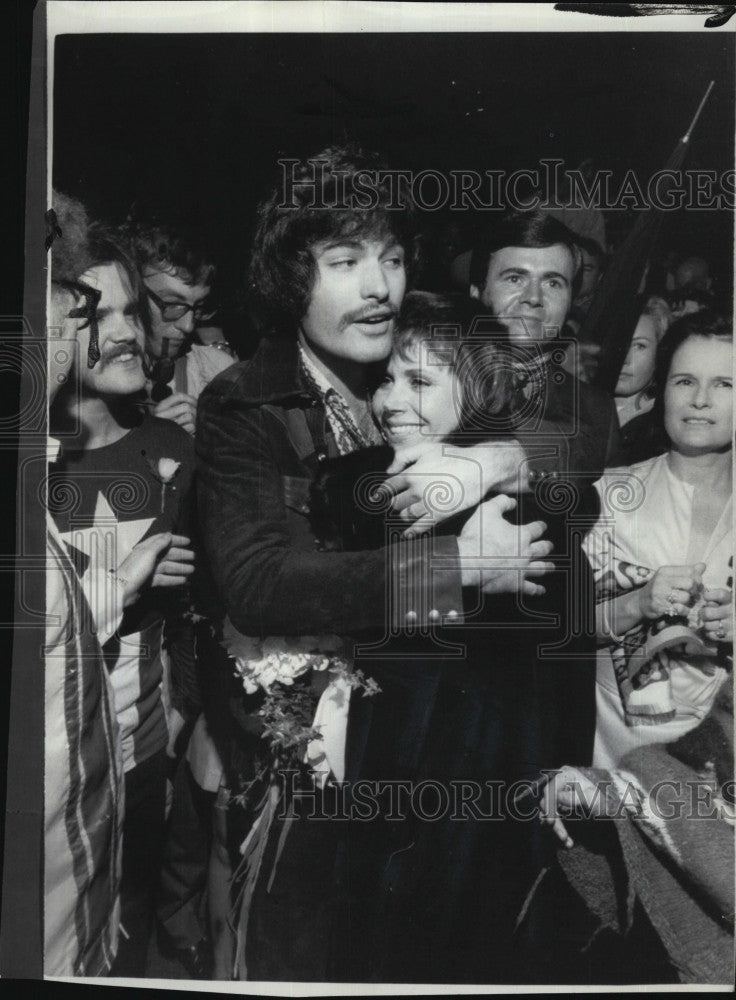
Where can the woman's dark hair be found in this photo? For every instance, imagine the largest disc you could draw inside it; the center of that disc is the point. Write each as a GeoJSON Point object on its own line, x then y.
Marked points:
{"type": "Point", "coordinates": [460, 335]}
{"type": "Point", "coordinates": [533, 229]}
{"type": "Point", "coordinates": [338, 194]}
{"type": "Point", "coordinates": [705, 324]}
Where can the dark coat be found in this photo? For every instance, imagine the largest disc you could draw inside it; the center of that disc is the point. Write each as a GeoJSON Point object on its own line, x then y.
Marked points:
{"type": "Point", "coordinates": [568, 439]}
{"type": "Point", "coordinates": [641, 438]}
{"type": "Point", "coordinates": [572, 431]}
{"type": "Point", "coordinates": [261, 441]}
{"type": "Point", "coordinates": [425, 896]}
{"type": "Point", "coordinates": [261, 438]}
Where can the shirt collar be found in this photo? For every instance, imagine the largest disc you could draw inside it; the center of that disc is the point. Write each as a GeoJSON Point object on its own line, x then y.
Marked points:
{"type": "Point", "coordinates": [629, 407]}
{"type": "Point", "coordinates": [348, 433]}
{"type": "Point", "coordinates": [319, 379]}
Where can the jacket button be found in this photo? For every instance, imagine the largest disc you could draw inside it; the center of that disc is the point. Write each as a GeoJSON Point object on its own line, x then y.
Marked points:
{"type": "Point", "coordinates": [411, 617]}
{"type": "Point", "coordinates": [452, 615]}
{"type": "Point", "coordinates": [321, 456]}
{"type": "Point", "coordinates": [434, 615]}
{"type": "Point", "coordinates": [304, 508]}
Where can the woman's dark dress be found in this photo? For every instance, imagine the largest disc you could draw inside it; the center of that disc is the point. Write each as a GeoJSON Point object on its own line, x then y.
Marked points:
{"type": "Point", "coordinates": [431, 886]}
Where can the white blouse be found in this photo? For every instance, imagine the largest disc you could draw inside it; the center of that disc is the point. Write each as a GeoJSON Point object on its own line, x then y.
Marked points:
{"type": "Point", "coordinates": [645, 521]}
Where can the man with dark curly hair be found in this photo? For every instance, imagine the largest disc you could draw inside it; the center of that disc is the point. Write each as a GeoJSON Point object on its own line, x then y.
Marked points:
{"type": "Point", "coordinates": [177, 270]}
{"type": "Point", "coordinates": [334, 250]}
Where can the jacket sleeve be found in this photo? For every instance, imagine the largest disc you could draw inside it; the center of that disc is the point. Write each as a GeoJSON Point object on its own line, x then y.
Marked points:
{"type": "Point", "coordinates": [578, 456]}
{"type": "Point", "coordinates": [267, 584]}
{"type": "Point", "coordinates": [597, 433]}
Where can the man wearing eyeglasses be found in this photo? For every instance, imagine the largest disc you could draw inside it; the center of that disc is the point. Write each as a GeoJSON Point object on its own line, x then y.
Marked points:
{"type": "Point", "coordinates": [177, 274]}
{"type": "Point", "coordinates": [185, 349]}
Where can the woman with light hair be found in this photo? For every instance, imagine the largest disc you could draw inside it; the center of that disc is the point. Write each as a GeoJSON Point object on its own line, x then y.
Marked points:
{"type": "Point", "coordinates": [633, 392]}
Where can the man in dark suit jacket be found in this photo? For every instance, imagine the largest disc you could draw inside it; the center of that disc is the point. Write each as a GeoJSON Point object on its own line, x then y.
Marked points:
{"type": "Point", "coordinates": [525, 271]}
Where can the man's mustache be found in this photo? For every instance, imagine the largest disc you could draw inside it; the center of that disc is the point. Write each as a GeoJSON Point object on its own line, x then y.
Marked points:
{"type": "Point", "coordinates": [120, 349]}
{"type": "Point", "coordinates": [362, 315]}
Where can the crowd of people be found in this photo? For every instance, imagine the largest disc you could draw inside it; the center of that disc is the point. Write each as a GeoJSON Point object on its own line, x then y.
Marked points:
{"type": "Point", "coordinates": [339, 623]}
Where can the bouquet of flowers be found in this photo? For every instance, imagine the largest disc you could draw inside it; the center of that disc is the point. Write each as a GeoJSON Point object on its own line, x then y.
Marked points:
{"type": "Point", "coordinates": [306, 683]}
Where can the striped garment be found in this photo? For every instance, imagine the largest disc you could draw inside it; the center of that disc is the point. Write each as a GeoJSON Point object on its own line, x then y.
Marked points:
{"type": "Point", "coordinates": [105, 501]}
{"type": "Point", "coordinates": [83, 783]}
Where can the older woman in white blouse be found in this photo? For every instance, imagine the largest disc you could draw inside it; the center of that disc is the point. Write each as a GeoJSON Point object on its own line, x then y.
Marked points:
{"type": "Point", "coordinates": [662, 554]}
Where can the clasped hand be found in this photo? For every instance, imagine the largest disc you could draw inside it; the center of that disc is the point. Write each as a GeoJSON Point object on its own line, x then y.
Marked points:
{"type": "Point", "coordinates": [180, 408]}
{"type": "Point", "coordinates": [161, 560]}
{"type": "Point", "coordinates": [717, 615]}
{"type": "Point", "coordinates": [673, 590]}
{"type": "Point", "coordinates": [670, 591]}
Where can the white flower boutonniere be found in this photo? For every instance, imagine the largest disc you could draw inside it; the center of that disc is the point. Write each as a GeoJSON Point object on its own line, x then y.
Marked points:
{"type": "Point", "coordinates": [305, 684]}
{"type": "Point", "coordinates": [165, 470]}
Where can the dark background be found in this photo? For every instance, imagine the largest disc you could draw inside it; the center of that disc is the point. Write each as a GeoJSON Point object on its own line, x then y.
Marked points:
{"type": "Point", "coordinates": [201, 119]}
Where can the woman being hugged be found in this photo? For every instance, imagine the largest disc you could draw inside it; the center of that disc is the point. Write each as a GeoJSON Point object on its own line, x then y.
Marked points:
{"type": "Point", "coordinates": [459, 710]}
{"type": "Point", "coordinates": [662, 553]}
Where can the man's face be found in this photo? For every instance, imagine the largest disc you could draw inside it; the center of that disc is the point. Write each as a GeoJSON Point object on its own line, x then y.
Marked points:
{"type": "Point", "coordinates": [119, 371]}
{"type": "Point", "coordinates": [171, 288]}
{"type": "Point", "coordinates": [694, 273]}
{"type": "Point", "coordinates": [529, 289]}
{"type": "Point", "coordinates": [358, 288]}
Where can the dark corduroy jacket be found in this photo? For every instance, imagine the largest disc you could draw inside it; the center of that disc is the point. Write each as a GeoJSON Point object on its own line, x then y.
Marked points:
{"type": "Point", "coordinates": [261, 439]}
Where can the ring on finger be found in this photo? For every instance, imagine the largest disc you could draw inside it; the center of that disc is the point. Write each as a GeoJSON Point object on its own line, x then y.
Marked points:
{"type": "Point", "coordinates": [720, 633]}
{"type": "Point", "coordinates": [671, 611]}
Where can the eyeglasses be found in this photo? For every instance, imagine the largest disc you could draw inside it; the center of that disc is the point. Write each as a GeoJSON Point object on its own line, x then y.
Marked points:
{"type": "Point", "coordinates": [171, 311]}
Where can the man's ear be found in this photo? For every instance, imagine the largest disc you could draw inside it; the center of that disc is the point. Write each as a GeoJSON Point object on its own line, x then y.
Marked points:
{"type": "Point", "coordinates": [474, 292]}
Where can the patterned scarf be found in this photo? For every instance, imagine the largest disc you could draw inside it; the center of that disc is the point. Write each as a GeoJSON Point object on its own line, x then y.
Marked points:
{"type": "Point", "coordinates": [530, 368]}
{"type": "Point", "coordinates": [349, 436]}
{"type": "Point", "coordinates": [641, 661]}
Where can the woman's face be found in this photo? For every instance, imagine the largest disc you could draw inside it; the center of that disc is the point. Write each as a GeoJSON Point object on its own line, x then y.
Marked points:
{"type": "Point", "coordinates": [638, 367]}
{"type": "Point", "coordinates": [418, 399]}
{"type": "Point", "coordinates": [698, 406]}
